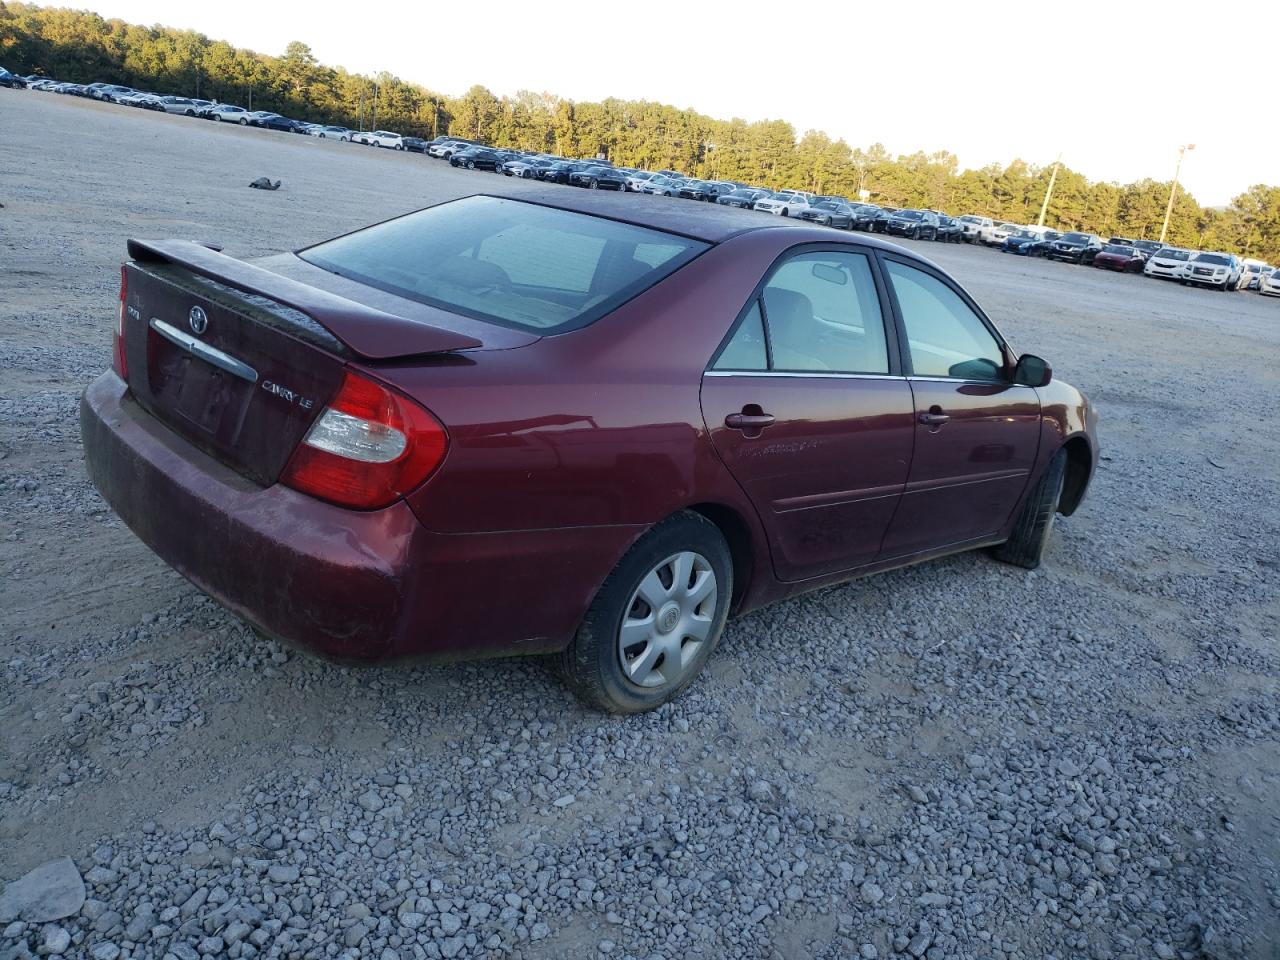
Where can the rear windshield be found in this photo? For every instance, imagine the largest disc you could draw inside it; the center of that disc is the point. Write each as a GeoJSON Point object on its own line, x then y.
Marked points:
{"type": "Point", "coordinates": [1119, 248]}
{"type": "Point", "coordinates": [517, 264]}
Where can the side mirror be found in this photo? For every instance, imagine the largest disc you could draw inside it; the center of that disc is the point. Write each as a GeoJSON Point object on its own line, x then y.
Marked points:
{"type": "Point", "coordinates": [1032, 371]}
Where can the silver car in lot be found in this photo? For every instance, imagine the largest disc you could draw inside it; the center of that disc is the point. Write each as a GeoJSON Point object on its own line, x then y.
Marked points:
{"type": "Point", "coordinates": [181, 105]}
{"type": "Point", "coordinates": [229, 113]}
{"type": "Point", "coordinates": [331, 132]}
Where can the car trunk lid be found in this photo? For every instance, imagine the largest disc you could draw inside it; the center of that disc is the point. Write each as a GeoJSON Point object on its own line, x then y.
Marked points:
{"type": "Point", "coordinates": [240, 360]}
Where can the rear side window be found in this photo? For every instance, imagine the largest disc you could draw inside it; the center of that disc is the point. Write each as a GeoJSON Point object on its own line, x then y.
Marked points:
{"type": "Point", "coordinates": [821, 314]}
{"type": "Point", "coordinates": [516, 264]}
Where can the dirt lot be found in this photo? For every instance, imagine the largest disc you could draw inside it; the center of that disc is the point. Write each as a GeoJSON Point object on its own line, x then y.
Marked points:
{"type": "Point", "coordinates": [961, 760]}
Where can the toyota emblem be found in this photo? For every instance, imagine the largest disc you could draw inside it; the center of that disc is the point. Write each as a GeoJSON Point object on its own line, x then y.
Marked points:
{"type": "Point", "coordinates": [198, 319]}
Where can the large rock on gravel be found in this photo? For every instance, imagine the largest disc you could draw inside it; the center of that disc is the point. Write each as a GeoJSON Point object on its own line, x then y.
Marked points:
{"type": "Point", "coordinates": [51, 891]}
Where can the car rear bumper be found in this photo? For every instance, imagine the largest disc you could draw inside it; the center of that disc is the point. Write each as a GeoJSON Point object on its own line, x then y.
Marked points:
{"type": "Point", "coordinates": [352, 585]}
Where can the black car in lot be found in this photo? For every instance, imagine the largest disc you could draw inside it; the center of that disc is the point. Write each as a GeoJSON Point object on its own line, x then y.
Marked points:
{"type": "Point", "coordinates": [707, 191]}
{"type": "Point", "coordinates": [864, 214]}
{"type": "Point", "coordinates": [597, 177]}
{"type": "Point", "coordinates": [273, 121]}
{"type": "Point", "coordinates": [1029, 243]}
{"type": "Point", "coordinates": [744, 197]}
{"type": "Point", "coordinates": [1074, 248]}
{"type": "Point", "coordinates": [950, 230]}
{"type": "Point", "coordinates": [11, 80]}
{"type": "Point", "coordinates": [557, 172]}
{"type": "Point", "coordinates": [829, 212]}
{"type": "Point", "coordinates": [476, 158]}
{"type": "Point", "coordinates": [916, 224]}
{"type": "Point", "coordinates": [1149, 248]}
{"type": "Point", "coordinates": [414, 144]}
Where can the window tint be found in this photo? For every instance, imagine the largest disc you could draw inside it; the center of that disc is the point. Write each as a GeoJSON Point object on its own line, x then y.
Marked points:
{"type": "Point", "coordinates": [823, 314]}
{"type": "Point", "coordinates": [746, 350]}
{"type": "Point", "coordinates": [946, 338]}
{"type": "Point", "coordinates": [519, 264]}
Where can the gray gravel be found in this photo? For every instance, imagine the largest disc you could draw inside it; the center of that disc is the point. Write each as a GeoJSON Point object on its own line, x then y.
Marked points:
{"type": "Point", "coordinates": [961, 760]}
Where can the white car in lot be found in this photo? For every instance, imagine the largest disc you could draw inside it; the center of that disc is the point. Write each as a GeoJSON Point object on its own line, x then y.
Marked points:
{"type": "Point", "coordinates": [976, 229]}
{"type": "Point", "coordinates": [1214, 269]}
{"type": "Point", "coordinates": [784, 203]}
{"type": "Point", "coordinates": [380, 138]}
{"type": "Point", "coordinates": [637, 180]}
{"type": "Point", "coordinates": [1269, 285]}
{"type": "Point", "coordinates": [1001, 231]}
{"type": "Point", "coordinates": [1167, 263]}
{"type": "Point", "coordinates": [229, 113]}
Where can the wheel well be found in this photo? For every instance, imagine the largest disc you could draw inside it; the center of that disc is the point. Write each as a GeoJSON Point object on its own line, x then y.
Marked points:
{"type": "Point", "coordinates": [738, 534]}
{"type": "Point", "coordinates": [1079, 466]}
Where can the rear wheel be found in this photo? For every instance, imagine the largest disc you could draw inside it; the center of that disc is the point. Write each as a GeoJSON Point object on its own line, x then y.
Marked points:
{"type": "Point", "coordinates": [1025, 546]}
{"type": "Point", "coordinates": [655, 621]}
{"type": "Point", "coordinates": [244, 122]}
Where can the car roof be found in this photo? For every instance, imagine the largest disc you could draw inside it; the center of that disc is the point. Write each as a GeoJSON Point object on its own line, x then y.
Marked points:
{"type": "Point", "coordinates": [710, 223]}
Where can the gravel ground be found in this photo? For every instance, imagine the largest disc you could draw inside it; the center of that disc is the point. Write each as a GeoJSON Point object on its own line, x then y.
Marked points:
{"type": "Point", "coordinates": [961, 760]}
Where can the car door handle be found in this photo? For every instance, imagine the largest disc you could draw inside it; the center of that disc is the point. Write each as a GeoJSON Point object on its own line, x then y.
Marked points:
{"type": "Point", "coordinates": [933, 419]}
{"type": "Point", "coordinates": [748, 421]}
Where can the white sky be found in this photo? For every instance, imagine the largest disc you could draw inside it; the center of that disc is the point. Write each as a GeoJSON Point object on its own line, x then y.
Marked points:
{"type": "Point", "coordinates": [1114, 87]}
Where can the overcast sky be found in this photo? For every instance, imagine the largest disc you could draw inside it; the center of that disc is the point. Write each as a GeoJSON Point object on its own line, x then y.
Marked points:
{"type": "Point", "coordinates": [1114, 87]}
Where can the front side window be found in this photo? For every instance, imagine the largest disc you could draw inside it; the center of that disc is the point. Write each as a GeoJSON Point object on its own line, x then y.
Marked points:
{"type": "Point", "coordinates": [518, 264]}
{"type": "Point", "coordinates": [822, 313]}
{"type": "Point", "coordinates": [945, 337]}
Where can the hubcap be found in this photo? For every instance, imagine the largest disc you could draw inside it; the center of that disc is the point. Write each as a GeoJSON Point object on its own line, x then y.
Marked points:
{"type": "Point", "coordinates": [668, 620]}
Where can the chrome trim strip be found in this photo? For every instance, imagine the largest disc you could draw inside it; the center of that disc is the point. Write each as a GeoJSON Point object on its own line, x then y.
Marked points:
{"type": "Point", "coordinates": [223, 361]}
{"type": "Point", "coordinates": [794, 373]}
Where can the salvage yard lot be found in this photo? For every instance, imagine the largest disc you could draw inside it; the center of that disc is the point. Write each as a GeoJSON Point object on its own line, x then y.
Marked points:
{"type": "Point", "coordinates": [960, 760]}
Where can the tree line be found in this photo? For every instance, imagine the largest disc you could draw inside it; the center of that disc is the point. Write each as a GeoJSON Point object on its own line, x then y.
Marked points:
{"type": "Point", "coordinates": [83, 47]}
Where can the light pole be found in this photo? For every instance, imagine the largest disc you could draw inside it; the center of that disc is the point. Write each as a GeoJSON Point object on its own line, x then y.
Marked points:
{"type": "Point", "coordinates": [1168, 210]}
{"type": "Point", "coordinates": [1044, 207]}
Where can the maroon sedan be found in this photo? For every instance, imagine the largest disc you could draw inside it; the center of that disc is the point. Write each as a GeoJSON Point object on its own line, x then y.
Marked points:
{"type": "Point", "coordinates": [577, 425]}
{"type": "Point", "coordinates": [1121, 258]}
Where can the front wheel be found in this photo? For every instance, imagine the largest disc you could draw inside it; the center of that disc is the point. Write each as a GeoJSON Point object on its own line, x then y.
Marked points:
{"type": "Point", "coordinates": [471, 164]}
{"type": "Point", "coordinates": [656, 619]}
{"type": "Point", "coordinates": [1025, 546]}
{"type": "Point", "coordinates": [594, 184]}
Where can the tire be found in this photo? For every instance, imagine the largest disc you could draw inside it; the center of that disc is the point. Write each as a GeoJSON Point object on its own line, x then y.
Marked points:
{"type": "Point", "coordinates": [592, 664]}
{"type": "Point", "coordinates": [189, 113]}
{"type": "Point", "coordinates": [244, 122]}
{"type": "Point", "coordinates": [594, 184]}
{"type": "Point", "coordinates": [786, 212]}
{"type": "Point", "coordinates": [471, 164]}
{"type": "Point", "coordinates": [915, 233]}
{"type": "Point", "coordinates": [1025, 546]}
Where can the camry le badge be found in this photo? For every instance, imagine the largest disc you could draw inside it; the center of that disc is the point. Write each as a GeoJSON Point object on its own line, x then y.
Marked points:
{"type": "Point", "coordinates": [198, 319]}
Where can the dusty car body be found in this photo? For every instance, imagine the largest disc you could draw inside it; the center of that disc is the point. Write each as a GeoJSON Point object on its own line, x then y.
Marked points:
{"type": "Point", "coordinates": [547, 458]}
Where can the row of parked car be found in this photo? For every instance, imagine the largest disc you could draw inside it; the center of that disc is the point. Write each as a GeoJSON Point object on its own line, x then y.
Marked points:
{"type": "Point", "coordinates": [1209, 268]}
{"type": "Point", "coordinates": [1224, 271]}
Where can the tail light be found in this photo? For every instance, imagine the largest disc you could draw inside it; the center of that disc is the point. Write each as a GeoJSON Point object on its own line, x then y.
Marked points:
{"type": "Point", "coordinates": [368, 447]}
{"type": "Point", "coordinates": [118, 361]}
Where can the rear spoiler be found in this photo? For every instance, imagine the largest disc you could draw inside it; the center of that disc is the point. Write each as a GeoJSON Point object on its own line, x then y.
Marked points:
{"type": "Point", "coordinates": [366, 331]}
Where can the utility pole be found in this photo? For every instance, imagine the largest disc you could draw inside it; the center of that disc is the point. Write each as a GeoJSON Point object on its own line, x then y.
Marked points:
{"type": "Point", "coordinates": [1044, 207]}
{"type": "Point", "coordinates": [1168, 210]}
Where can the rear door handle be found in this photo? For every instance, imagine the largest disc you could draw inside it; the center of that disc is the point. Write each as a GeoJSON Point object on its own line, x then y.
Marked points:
{"type": "Point", "coordinates": [748, 421]}
{"type": "Point", "coordinates": [932, 419]}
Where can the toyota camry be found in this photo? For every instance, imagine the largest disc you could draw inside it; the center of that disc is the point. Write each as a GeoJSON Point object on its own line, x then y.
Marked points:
{"type": "Point", "coordinates": [567, 424]}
